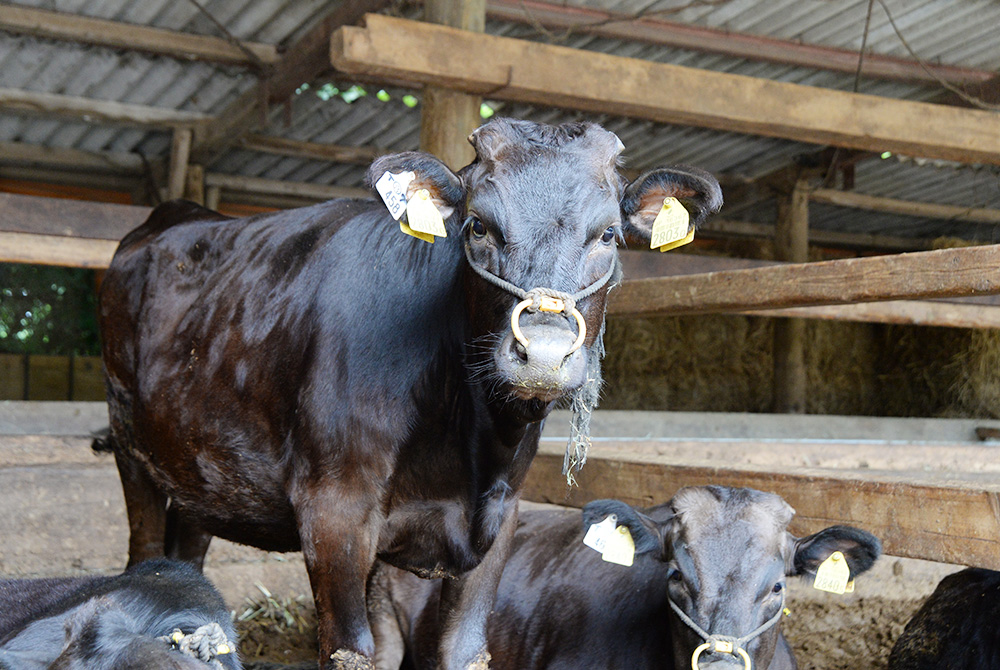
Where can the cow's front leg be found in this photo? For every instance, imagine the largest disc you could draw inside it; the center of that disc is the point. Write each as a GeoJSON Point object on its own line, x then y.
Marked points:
{"type": "Point", "coordinates": [338, 529]}
{"type": "Point", "coordinates": [466, 604]}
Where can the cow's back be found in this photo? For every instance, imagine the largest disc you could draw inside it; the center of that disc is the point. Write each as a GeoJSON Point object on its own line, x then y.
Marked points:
{"type": "Point", "coordinates": [958, 628]}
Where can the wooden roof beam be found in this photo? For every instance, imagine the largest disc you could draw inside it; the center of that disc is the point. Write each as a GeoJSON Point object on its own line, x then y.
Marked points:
{"type": "Point", "coordinates": [117, 35]}
{"type": "Point", "coordinates": [97, 111]}
{"type": "Point", "coordinates": [652, 30]}
{"type": "Point", "coordinates": [303, 62]}
{"type": "Point", "coordinates": [583, 80]}
{"type": "Point", "coordinates": [335, 153]}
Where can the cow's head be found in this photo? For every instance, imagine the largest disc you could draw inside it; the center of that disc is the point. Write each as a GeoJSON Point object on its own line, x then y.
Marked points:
{"type": "Point", "coordinates": [726, 553]}
{"type": "Point", "coordinates": [544, 207]}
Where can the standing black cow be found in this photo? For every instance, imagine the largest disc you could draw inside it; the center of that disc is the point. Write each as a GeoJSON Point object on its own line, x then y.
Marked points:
{"type": "Point", "coordinates": [159, 615]}
{"type": "Point", "coordinates": [710, 564]}
{"type": "Point", "coordinates": [958, 628]}
{"type": "Point", "coordinates": [315, 379]}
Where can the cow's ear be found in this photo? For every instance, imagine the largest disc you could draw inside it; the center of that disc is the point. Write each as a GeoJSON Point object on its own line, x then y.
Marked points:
{"type": "Point", "coordinates": [646, 533]}
{"type": "Point", "coordinates": [696, 189]}
{"type": "Point", "coordinates": [859, 547]}
{"type": "Point", "coordinates": [445, 187]}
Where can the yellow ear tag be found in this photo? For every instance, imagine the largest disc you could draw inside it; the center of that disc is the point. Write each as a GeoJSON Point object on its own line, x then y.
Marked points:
{"type": "Point", "coordinates": [833, 574]}
{"type": "Point", "coordinates": [619, 547]}
{"type": "Point", "coordinates": [670, 228]}
{"type": "Point", "coordinates": [422, 216]}
{"type": "Point", "coordinates": [420, 236]}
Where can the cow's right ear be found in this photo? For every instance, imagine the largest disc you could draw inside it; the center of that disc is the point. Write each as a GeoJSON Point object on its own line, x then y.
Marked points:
{"type": "Point", "coordinates": [646, 533]}
{"type": "Point", "coordinates": [445, 187]}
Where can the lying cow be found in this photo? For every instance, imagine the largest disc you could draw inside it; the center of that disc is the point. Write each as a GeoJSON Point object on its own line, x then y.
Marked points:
{"type": "Point", "coordinates": [958, 628]}
{"type": "Point", "coordinates": [315, 379]}
{"type": "Point", "coordinates": [710, 564]}
{"type": "Point", "coordinates": [159, 615]}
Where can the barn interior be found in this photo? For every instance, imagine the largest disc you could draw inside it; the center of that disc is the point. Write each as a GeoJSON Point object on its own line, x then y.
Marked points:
{"type": "Point", "coordinates": [830, 336]}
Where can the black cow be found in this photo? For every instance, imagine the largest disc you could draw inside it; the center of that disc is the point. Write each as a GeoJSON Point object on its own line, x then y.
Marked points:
{"type": "Point", "coordinates": [958, 628]}
{"type": "Point", "coordinates": [123, 622]}
{"type": "Point", "coordinates": [720, 555]}
{"type": "Point", "coordinates": [315, 379]}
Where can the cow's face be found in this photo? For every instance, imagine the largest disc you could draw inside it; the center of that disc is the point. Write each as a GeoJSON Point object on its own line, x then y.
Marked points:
{"type": "Point", "coordinates": [544, 207]}
{"type": "Point", "coordinates": [726, 553]}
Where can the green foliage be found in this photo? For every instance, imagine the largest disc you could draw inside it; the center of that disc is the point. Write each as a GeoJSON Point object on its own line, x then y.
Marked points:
{"type": "Point", "coordinates": [47, 310]}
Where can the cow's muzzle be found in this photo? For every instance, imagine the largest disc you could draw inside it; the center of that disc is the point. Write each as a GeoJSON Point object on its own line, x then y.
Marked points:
{"type": "Point", "coordinates": [541, 300]}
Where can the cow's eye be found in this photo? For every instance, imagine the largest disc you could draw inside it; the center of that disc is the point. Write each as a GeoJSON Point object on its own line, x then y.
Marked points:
{"type": "Point", "coordinates": [609, 235]}
{"type": "Point", "coordinates": [778, 587]}
{"type": "Point", "coordinates": [477, 227]}
{"type": "Point", "coordinates": [675, 575]}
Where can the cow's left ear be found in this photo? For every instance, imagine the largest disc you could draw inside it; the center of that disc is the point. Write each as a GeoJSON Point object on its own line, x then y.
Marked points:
{"type": "Point", "coordinates": [859, 547]}
{"type": "Point", "coordinates": [445, 187]}
{"type": "Point", "coordinates": [646, 533]}
{"type": "Point", "coordinates": [696, 189]}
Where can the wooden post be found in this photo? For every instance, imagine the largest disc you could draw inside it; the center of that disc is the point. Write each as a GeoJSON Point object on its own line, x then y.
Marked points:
{"type": "Point", "coordinates": [213, 194]}
{"type": "Point", "coordinates": [791, 243]}
{"type": "Point", "coordinates": [180, 152]}
{"type": "Point", "coordinates": [194, 184]}
{"type": "Point", "coordinates": [447, 117]}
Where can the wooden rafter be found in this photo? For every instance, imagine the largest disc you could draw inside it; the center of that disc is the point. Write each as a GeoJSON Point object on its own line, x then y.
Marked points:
{"type": "Point", "coordinates": [117, 35]}
{"type": "Point", "coordinates": [581, 80]}
{"type": "Point", "coordinates": [651, 30]}
{"type": "Point", "coordinates": [905, 207]}
{"type": "Point", "coordinates": [335, 153]}
{"type": "Point", "coordinates": [97, 111]}
{"type": "Point", "coordinates": [303, 62]}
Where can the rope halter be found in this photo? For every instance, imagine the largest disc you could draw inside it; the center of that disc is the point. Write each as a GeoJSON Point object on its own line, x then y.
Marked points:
{"type": "Point", "coordinates": [541, 299]}
{"type": "Point", "coordinates": [725, 644]}
{"type": "Point", "coordinates": [205, 644]}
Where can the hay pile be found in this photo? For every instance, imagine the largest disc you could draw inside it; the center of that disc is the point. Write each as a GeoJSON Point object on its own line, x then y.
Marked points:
{"type": "Point", "coordinates": [276, 630]}
{"type": "Point", "coordinates": [724, 363]}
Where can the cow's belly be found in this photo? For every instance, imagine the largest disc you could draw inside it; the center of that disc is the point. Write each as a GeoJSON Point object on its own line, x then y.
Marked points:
{"type": "Point", "coordinates": [436, 539]}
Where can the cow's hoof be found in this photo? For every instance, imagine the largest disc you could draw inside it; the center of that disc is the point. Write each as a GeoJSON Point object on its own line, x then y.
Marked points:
{"type": "Point", "coordinates": [345, 659]}
{"type": "Point", "coordinates": [481, 662]}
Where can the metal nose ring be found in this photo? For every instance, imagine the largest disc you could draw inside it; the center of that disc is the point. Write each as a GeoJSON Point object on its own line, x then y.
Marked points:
{"type": "Point", "coordinates": [548, 304]}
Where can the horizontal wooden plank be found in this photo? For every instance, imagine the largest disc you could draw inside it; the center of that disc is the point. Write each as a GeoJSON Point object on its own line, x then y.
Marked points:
{"type": "Point", "coordinates": [579, 79]}
{"type": "Point", "coordinates": [278, 187]}
{"type": "Point", "coordinates": [946, 517]}
{"type": "Point", "coordinates": [73, 252]}
{"type": "Point", "coordinates": [927, 210]}
{"type": "Point", "coordinates": [970, 271]}
{"type": "Point", "coordinates": [68, 218]}
{"type": "Point", "coordinates": [118, 35]}
{"type": "Point", "coordinates": [97, 111]}
{"type": "Point", "coordinates": [653, 30]}
{"type": "Point", "coordinates": [336, 153]}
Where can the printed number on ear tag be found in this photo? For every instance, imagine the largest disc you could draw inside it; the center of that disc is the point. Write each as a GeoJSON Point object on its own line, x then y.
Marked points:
{"type": "Point", "coordinates": [619, 548]}
{"type": "Point", "coordinates": [392, 187]}
{"type": "Point", "coordinates": [422, 216]}
{"type": "Point", "coordinates": [833, 574]}
{"type": "Point", "coordinates": [670, 228]}
{"type": "Point", "coordinates": [598, 533]}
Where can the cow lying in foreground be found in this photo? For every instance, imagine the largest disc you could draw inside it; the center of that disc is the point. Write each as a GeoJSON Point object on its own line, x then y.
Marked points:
{"type": "Point", "coordinates": [159, 615]}
{"type": "Point", "coordinates": [958, 628]}
{"type": "Point", "coordinates": [316, 379]}
{"type": "Point", "coordinates": [720, 555]}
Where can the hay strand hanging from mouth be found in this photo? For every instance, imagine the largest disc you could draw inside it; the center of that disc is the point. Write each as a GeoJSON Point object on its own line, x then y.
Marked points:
{"type": "Point", "coordinates": [584, 402]}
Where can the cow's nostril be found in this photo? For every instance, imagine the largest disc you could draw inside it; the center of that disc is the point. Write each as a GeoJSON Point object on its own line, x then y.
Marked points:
{"type": "Point", "coordinates": [520, 351]}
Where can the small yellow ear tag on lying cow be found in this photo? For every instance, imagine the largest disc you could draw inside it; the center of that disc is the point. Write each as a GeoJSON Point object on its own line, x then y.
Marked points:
{"type": "Point", "coordinates": [422, 216]}
{"type": "Point", "coordinates": [670, 228]}
{"type": "Point", "coordinates": [420, 236]}
{"type": "Point", "coordinates": [833, 574]}
{"type": "Point", "coordinates": [619, 547]}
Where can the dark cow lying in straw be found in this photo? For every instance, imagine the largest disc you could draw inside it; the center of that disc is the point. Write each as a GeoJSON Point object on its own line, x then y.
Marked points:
{"type": "Point", "coordinates": [159, 615]}
{"type": "Point", "coordinates": [314, 378]}
{"type": "Point", "coordinates": [710, 565]}
{"type": "Point", "coordinates": [958, 628]}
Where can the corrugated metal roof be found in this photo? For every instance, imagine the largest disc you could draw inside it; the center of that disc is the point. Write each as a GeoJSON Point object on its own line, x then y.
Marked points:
{"type": "Point", "coordinates": [943, 31]}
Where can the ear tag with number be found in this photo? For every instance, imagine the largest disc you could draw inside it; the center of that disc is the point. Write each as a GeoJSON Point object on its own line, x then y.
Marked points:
{"type": "Point", "coordinates": [420, 236]}
{"type": "Point", "coordinates": [619, 547]}
{"type": "Point", "coordinates": [598, 533]}
{"type": "Point", "coordinates": [392, 187]}
{"type": "Point", "coordinates": [833, 574]}
{"type": "Point", "coordinates": [422, 216]}
{"type": "Point", "coordinates": [670, 228]}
